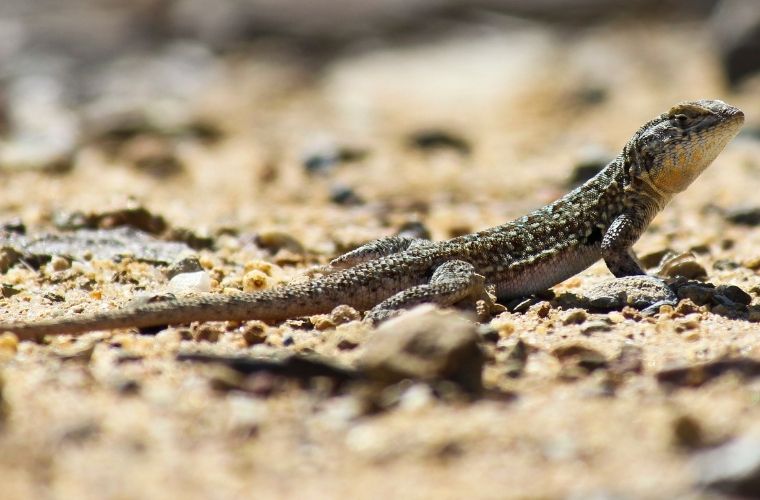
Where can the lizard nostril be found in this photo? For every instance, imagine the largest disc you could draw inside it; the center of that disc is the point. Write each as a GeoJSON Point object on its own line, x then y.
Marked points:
{"type": "Point", "coordinates": [735, 112]}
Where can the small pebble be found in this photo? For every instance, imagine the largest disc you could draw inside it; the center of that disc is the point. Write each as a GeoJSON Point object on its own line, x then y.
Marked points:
{"type": "Point", "coordinates": [325, 156]}
{"type": "Point", "coordinates": [9, 256]}
{"type": "Point", "coordinates": [745, 216]}
{"type": "Point", "coordinates": [190, 282]}
{"type": "Point", "coordinates": [273, 241]}
{"type": "Point", "coordinates": [754, 314]}
{"type": "Point", "coordinates": [434, 139]}
{"type": "Point", "coordinates": [727, 311]}
{"type": "Point", "coordinates": [344, 195]}
{"type": "Point", "coordinates": [190, 238]}
{"type": "Point", "coordinates": [667, 309]}
{"type": "Point", "coordinates": [416, 397]}
{"type": "Point", "coordinates": [58, 263]}
{"type": "Point", "coordinates": [542, 309]}
{"type": "Point", "coordinates": [345, 314]}
{"type": "Point", "coordinates": [15, 225]}
{"type": "Point", "coordinates": [701, 248]}
{"type": "Point", "coordinates": [255, 281]}
{"type": "Point", "coordinates": [615, 317]}
{"type": "Point", "coordinates": [126, 387]}
{"type": "Point", "coordinates": [414, 229]}
{"type": "Point", "coordinates": [153, 155]}
{"type": "Point", "coordinates": [520, 305]}
{"type": "Point", "coordinates": [504, 326]}
{"type": "Point", "coordinates": [684, 265]}
{"type": "Point", "coordinates": [488, 334]}
{"type": "Point", "coordinates": [687, 433]}
{"type": "Point", "coordinates": [725, 265]}
{"type": "Point", "coordinates": [689, 322]}
{"type": "Point", "coordinates": [516, 359]}
{"type": "Point", "coordinates": [575, 317]}
{"type": "Point", "coordinates": [692, 335]}
{"type": "Point", "coordinates": [698, 294]}
{"type": "Point", "coordinates": [734, 294]}
{"type": "Point", "coordinates": [348, 341]}
{"type": "Point", "coordinates": [322, 322]}
{"type": "Point", "coordinates": [8, 343]}
{"type": "Point", "coordinates": [686, 306]}
{"type": "Point", "coordinates": [595, 326]}
{"type": "Point", "coordinates": [183, 266]}
{"type": "Point", "coordinates": [753, 263]}
{"type": "Point", "coordinates": [578, 360]}
{"type": "Point", "coordinates": [259, 265]}
{"type": "Point", "coordinates": [8, 291]}
{"type": "Point", "coordinates": [207, 333]}
{"type": "Point", "coordinates": [254, 332]}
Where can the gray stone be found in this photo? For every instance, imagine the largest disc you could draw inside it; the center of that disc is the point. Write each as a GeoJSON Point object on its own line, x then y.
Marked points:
{"type": "Point", "coordinates": [734, 294]}
{"type": "Point", "coordinates": [635, 291]}
{"type": "Point", "coordinates": [684, 265]}
{"type": "Point", "coordinates": [183, 265]}
{"type": "Point", "coordinates": [101, 244]}
{"type": "Point", "coordinates": [698, 294]}
{"type": "Point", "coordinates": [425, 344]}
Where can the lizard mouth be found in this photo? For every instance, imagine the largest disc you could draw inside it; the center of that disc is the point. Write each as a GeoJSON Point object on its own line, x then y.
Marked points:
{"type": "Point", "coordinates": [735, 113]}
{"type": "Point", "coordinates": [730, 116]}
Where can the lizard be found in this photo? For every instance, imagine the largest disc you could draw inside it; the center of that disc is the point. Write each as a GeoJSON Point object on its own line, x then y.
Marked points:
{"type": "Point", "coordinates": [600, 219]}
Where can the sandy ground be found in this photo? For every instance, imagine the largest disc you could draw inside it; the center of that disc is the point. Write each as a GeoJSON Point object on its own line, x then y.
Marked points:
{"type": "Point", "coordinates": [114, 415]}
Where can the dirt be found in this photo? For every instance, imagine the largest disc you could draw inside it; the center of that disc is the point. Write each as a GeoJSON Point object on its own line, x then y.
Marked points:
{"type": "Point", "coordinates": [459, 134]}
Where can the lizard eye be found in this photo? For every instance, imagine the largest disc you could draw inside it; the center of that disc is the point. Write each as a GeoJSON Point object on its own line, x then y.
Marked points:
{"type": "Point", "coordinates": [681, 118]}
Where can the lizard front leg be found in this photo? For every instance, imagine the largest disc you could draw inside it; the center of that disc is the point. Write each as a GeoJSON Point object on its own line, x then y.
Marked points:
{"type": "Point", "coordinates": [617, 244]}
{"type": "Point", "coordinates": [451, 282]}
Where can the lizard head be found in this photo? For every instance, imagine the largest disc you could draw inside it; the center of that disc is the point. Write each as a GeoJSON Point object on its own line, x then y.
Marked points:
{"type": "Point", "coordinates": [669, 152]}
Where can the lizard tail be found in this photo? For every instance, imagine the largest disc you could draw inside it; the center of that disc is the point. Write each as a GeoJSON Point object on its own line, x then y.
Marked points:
{"type": "Point", "coordinates": [273, 305]}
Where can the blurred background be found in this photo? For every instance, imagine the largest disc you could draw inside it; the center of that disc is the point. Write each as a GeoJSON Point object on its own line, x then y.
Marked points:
{"type": "Point", "coordinates": [288, 131]}
{"type": "Point", "coordinates": [430, 107]}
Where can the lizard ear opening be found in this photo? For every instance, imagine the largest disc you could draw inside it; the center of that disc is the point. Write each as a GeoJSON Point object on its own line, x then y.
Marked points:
{"type": "Point", "coordinates": [630, 162]}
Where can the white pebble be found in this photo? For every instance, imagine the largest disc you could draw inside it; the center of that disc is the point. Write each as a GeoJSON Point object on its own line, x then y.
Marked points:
{"type": "Point", "coordinates": [416, 397]}
{"type": "Point", "coordinates": [190, 282]}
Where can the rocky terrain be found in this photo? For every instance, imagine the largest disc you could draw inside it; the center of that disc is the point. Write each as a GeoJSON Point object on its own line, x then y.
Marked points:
{"type": "Point", "coordinates": [192, 164]}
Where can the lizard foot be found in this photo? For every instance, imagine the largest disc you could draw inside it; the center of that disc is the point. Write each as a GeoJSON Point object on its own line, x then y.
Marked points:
{"type": "Point", "coordinates": [452, 282]}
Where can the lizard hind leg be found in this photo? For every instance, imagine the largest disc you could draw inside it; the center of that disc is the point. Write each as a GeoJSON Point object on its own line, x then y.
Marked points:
{"type": "Point", "coordinates": [375, 250]}
{"type": "Point", "coordinates": [452, 282]}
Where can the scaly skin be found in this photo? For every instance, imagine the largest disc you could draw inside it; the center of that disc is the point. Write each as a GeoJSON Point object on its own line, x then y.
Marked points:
{"type": "Point", "coordinates": [603, 218]}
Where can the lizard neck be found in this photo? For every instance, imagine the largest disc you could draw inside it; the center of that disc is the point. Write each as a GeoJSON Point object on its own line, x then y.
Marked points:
{"type": "Point", "coordinates": [641, 193]}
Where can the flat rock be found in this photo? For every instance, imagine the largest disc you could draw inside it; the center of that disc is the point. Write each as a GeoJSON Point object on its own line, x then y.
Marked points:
{"type": "Point", "coordinates": [101, 244]}
{"type": "Point", "coordinates": [635, 291]}
{"type": "Point", "coordinates": [425, 344]}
